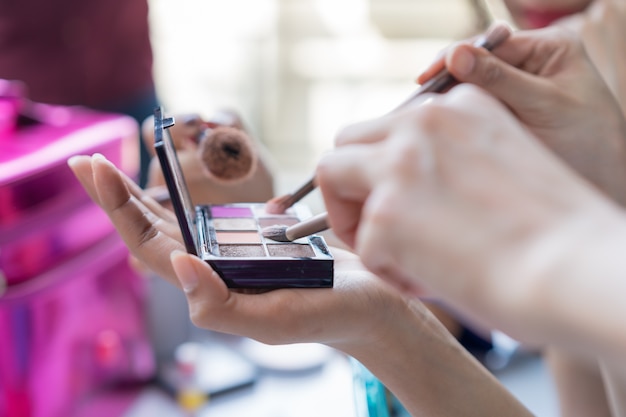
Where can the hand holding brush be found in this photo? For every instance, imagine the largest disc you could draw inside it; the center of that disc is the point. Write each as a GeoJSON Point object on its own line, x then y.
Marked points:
{"type": "Point", "coordinates": [440, 82]}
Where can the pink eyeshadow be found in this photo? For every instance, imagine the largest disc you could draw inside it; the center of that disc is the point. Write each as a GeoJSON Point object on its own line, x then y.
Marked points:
{"type": "Point", "coordinates": [238, 237]}
{"type": "Point", "coordinates": [227, 211]}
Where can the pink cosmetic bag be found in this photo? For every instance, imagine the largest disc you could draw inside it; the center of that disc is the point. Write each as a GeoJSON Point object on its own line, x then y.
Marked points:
{"type": "Point", "coordinates": [72, 316]}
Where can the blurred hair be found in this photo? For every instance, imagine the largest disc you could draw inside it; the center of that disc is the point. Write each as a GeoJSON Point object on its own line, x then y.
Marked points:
{"type": "Point", "coordinates": [483, 15]}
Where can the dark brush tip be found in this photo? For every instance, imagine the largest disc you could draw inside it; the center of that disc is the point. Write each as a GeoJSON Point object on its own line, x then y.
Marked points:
{"type": "Point", "coordinates": [228, 154]}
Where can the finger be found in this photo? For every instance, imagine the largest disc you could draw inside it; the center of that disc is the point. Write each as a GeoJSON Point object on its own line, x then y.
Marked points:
{"type": "Point", "coordinates": [147, 134]}
{"type": "Point", "coordinates": [138, 266]}
{"type": "Point", "coordinates": [81, 167]}
{"type": "Point", "coordinates": [435, 68]}
{"type": "Point", "coordinates": [376, 130]}
{"type": "Point", "coordinates": [516, 88]}
{"type": "Point", "coordinates": [530, 50]}
{"type": "Point", "coordinates": [265, 317]}
{"type": "Point", "coordinates": [369, 131]}
{"type": "Point", "coordinates": [141, 230]}
{"type": "Point", "coordinates": [345, 178]}
{"type": "Point", "coordinates": [439, 63]}
{"type": "Point", "coordinates": [147, 200]}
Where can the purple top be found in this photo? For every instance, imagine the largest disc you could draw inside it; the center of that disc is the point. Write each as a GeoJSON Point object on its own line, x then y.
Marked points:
{"type": "Point", "coordinates": [87, 52]}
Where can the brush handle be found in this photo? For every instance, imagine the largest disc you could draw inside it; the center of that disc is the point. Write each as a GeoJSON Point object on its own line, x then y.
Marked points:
{"type": "Point", "coordinates": [443, 80]}
{"type": "Point", "coordinates": [310, 226]}
{"type": "Point", "coordinates": [301, 192]}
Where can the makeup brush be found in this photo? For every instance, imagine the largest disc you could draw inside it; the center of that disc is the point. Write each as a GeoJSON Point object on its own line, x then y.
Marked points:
{"type": "Point", "coordinates": [227, 154]}
{"type": "Point", "coordinates": [308, 227]}
{"type": "Point", "coordinates": [443, 80]}
{"type": "Point", "coordinates": [279, 205]}
{"type": "Point", "coordinates": [439, 83]}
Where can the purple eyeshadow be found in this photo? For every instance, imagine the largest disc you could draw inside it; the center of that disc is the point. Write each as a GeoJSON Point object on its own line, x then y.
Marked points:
{"type": "Point", "coordinates": [228, 211]}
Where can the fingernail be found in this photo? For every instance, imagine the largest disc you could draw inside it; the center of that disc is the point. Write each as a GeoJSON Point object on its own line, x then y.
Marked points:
{"type": "Point", "coordinates": [72, 160]}
{"type": "Point", "coordinates": [185, 271]}
{"type": "Point", "coordinates": [464, 62]}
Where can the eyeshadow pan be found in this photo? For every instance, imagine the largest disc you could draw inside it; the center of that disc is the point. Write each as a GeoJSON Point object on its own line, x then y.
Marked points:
{"type": "Point", "coordinates": [230, 211]}
{"type": "Point", "coordinates": [291, 250]}
{"type": "Point", "coordinates": [238, 237]}
{"type": "Point", "coordinates": [234, 223]}
{"type": "Point", "coordinates": [273, 221]}
{"type": "Point", "coordinates": [240, 251]}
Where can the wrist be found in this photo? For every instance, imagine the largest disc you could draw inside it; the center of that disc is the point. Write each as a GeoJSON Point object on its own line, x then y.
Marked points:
{"type": "Point", "coordinates": [569, 285]}
{"type": "Point", "coordinates": [425, 367]}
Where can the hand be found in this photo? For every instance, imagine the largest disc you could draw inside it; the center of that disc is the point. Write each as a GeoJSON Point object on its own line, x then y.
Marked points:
{"type": "Point", "coordinates": [148, 229]}
{"type": "Point", "coordinates": [360, 315]}
{"type": "Point", "coordinates": [602, 29]}
{"type": "Point", "coordinates": [282, 316]}
{"type": "Point", "coordinates": [547, 80]}
{"type": "Point", "coordinates": [455, 195]}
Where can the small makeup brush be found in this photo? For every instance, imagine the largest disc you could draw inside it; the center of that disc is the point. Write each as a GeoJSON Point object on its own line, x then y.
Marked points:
{"type": "Point", "coordinates": [442, 81]}
{"type": "Point", "coordinates": [439, 83]}
{"type": "Point", "coordinates": [279, 205]}
{"type": "Point", "coordinates": [227, 154]}
{"type": "Point", "coordinates": [308, 227]}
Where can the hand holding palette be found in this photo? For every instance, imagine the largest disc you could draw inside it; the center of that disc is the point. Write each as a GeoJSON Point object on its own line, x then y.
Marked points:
{"type": "Point", "coordinates": [229, 237]}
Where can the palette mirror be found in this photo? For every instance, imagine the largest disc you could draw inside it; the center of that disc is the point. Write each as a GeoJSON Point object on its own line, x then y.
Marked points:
{"type": "Point", "coordinates": [229, 237]}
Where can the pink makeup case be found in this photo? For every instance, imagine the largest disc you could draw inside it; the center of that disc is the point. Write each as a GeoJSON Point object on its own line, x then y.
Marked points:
{"type": "Point", "coordinates": [71, 310]}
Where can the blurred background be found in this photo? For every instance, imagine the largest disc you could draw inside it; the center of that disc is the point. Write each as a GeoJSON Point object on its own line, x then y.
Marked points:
{"type": "Point", "coordinates": [296, 71]}
{"type": "Point", "coordinates": [299, 70]}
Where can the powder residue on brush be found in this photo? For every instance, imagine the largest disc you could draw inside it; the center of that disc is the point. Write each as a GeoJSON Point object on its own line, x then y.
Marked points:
{"type": "Point", "coordinates": [228, 154]}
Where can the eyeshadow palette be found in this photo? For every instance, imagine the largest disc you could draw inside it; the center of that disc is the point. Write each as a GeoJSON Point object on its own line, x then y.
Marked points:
{"type": "Point", "coordinates": [230, 239]}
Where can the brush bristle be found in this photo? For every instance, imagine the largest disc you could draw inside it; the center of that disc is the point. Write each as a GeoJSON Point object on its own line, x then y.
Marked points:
{"type": "Point", "coordinates": [277, 233]}
{"type": "Point", "coordinates": [228, 155]}
{"type": "Point", "coordinates": [277, 205]}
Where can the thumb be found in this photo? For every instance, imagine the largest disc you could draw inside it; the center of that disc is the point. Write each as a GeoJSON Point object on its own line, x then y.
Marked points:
{"type": "Point", "coordinates": [516, 88]}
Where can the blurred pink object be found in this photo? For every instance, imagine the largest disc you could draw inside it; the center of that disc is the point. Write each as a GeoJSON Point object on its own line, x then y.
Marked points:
{"type": "Point", "coordinates": [71, 310]}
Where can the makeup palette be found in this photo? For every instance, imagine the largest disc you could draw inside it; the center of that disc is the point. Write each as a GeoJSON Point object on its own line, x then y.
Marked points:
{"type": "Point", "coordinates": [230, 239]}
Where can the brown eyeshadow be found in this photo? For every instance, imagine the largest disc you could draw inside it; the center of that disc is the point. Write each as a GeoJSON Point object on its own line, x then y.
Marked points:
{"type": "Point", "coordinates": [291, 251]}
{"type": "Point", "coordinates": [241, 251]}
{"type": "Point", "coordinates": [273, 221]}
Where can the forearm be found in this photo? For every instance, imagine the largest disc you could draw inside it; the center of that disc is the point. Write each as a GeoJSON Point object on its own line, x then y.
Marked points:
{"type": "Point", "coordinates": [615, 383]}
{"type": "Point", "coordinates": [579, 384]}
{"type": "Point", "coordinates": [429, 372]}
{"type": "Point", "coordinates": [577, 302]}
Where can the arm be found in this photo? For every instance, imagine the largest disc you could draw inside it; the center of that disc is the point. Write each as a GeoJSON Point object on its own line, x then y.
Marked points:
{"type": "Point", "coordinates": [615, 382]}
{"type": "Point", "coordinates": [579, 384]}
{"type": "Point", "coordinates": [431, 373]}
{"type": "Point", "coordinates": [541, 92]}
